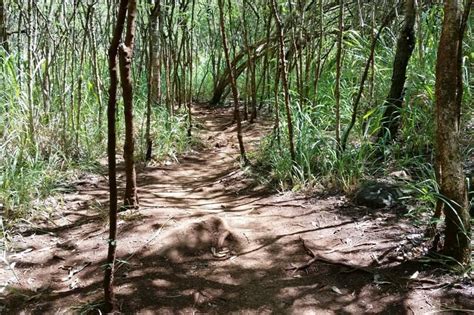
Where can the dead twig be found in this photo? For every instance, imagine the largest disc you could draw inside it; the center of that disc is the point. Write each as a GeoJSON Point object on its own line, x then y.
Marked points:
{"type": "Point", "coordinates": [280, 205]}
{"type": "Point", "coordinates": [349, 247]}
{"type": "Point", "coordinates": [434, 286]}
{"type": "Point", "coordinates": [73, 271]}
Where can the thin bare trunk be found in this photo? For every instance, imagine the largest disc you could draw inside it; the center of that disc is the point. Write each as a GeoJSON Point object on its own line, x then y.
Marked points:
{"type": "Point", "coordinates": [406, 43]}
{"type": "Point", "coordinates": [109, 295]}
{"type": "Point", "coordinates": [284, 79]}
{"type": "Point", "coordinates": [337, 88]}
{"type": "Point", "coordinates": [31, 115]}
{"type": "Point", "coordinates": [95, 68]}
{"type": "Point", "coordinates": [266, 76]}
{"type": "Point", "coordinates": [235, 92]}
{"type": "Point", "coordinates": [154, 80]}
{"type": "Point", "coordinates": [72, 70]}
{"type": "Point", "coordinates": [125, 60]}
{"type": "Point", "coordinates": [355, 105]}
{"type": "Point", "coordinates": [3, 27]}
{"type": "Point", "coordinates": [276, 126]}
{"type": "Point", "coordinates": [81, 68]}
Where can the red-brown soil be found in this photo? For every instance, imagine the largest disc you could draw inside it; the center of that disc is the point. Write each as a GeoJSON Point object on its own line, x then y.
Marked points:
{"type": "Point", "coordinates": [370, 261]}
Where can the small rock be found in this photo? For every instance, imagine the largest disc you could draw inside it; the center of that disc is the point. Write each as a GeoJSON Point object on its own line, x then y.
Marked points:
{"type": "Point", "coordinates": [400, 175]}
{"type": "Point", "coordinates": [378, 195]}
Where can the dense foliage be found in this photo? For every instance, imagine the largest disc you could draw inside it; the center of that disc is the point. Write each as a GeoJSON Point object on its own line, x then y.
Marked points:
{"type": "Point", "coordinates": [54, 80]}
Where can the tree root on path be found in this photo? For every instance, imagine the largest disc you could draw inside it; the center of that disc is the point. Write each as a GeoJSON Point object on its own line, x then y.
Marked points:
{"type": "Point", "coordinates": [318, 257]}
{"type": "Point", "coordinates": [434, 284]}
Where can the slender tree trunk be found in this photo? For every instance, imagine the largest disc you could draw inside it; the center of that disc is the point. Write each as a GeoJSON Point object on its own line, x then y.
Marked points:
{"type": "Point", "coordinates": [261, 46]}
{"type": "Point", "coordinates": [169, 101]}
{"type": "Point", "coordinates": [154, 81]}
{"type": "Point", "coordinates": [64, 136]}
{"type": "Point", "coordinates": [360, 15]}
{"type": "Point", "coordinates": [276, 126]}
{"type": "Point", "coordinates": [233, 84]}
{"type": "Point", "coordinates": [81, 70]}
{"type": "Point", "coordinates": [406, 43]}
{"type": "Point", "coordinates": [95, 68]}
{"type": "Point", "coordinates": [298, 50]}
{"type": "Point", "coordinates": [125, 59]}
{"type": "Point", "coordinates": [419, 35]}
{"type": "Point", "coordinates": [308, 62]}
{"type": "Point", "coordinates": [448, 110]}
{"type": "Point", "coordinates": [251, 84]}
{"type": "Point", "coordinates": [31, 114]}
{"type": "Point", "coordinates": [249, 62]}
{"type": "Point", "coordinates": [3, 27]}
{"type": "Point", "coordinates": [372, 63]}
{"type": "Point", "coordinates": [355, 105]}
{"type": "Point", "coordinates": [284, 80]}
{"type": "Point", "coordinates": [154, 45]}
{"type": "Point", "coordinates": [171, 56]}
{"type": "Point", "coordinates": [266, 76]}
{"type": "Point", "coordinates": [19, 41]}
{"type": "Point", "coordinates": [109, 295]}
{"type": "Point", "coordinates": [337, 88]}
{"type": "Point", "coordinates": [190, 65]}
{"type": "Point", "coordinates": [72, 71]}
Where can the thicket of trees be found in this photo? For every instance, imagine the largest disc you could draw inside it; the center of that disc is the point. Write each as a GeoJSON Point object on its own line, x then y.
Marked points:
{"type": "Point", "coordinates": [353, 88]}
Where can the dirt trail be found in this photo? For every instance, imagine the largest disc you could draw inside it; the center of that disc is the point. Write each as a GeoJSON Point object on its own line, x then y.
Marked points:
{"type": "Point", "coordinates": [58, 266]}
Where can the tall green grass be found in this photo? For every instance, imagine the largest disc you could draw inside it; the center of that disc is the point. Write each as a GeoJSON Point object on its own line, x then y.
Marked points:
{"type": "Point", "coordinates": [30, 172]}
{"type": "Point", "coordinates": [318, 160]}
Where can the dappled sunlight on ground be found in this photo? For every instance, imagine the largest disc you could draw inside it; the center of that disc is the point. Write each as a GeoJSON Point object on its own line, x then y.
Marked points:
{"type": "Point", "coordinates": [166, 263]}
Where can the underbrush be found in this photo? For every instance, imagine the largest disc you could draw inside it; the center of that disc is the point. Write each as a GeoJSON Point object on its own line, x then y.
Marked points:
{"type": "Point", "coordinates": [169, 134]}
{"type": "Point", "coordinates": [43, 147]}
{"type": "Point", "coordinates": [318, 160]}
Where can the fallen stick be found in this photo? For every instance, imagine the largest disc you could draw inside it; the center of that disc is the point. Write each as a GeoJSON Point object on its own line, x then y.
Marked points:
{"type": "Point", "coordinates": [433, 286]}
{"type": "Point", "coordinates": [349, 247]}
{"type": "Point", "coordinates": [280, 205]}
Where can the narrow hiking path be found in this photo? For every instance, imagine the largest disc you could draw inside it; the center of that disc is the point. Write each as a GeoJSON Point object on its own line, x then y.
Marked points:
{"type": "Point", "coordinates": [186, 208]}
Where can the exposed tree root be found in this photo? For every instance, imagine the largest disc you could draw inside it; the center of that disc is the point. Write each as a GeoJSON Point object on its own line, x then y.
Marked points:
{"type": "Point", "coordinates": [319, 257]}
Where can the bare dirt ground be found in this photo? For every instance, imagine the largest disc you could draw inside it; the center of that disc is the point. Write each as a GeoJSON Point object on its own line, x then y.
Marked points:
{"type": "Point", "coordinates": [209, 239]}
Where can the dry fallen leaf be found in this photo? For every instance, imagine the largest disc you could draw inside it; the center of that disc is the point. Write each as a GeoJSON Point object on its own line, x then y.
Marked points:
{"type": "Point", "coordinates": [336, 289]}
{"type": "Point", "coordinates": [415, 275]}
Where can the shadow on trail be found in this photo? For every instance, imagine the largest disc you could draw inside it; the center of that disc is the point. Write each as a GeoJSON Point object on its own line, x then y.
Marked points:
{"type": "Point", "coordinates": [151, 283]}
{"type": "Point", "coordinates": [253, 280]}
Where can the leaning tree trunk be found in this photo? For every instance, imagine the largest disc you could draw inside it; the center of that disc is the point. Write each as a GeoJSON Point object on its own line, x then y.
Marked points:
{"type": "Point", "coordinates": [355, 105]}
{"type": "Point", "coordinates": [284, 80]}
{"type": "Point", "coordinates": [448, 110]}
{"type": "Point", "coordinates": [111, 150]}
{"type": "Point", "coordinates": [406, 43]}
{"type": "Point", "coordinates": [233, 83]}
{"type": "Point", "coordinates": [125, 59]}
{"type": "Point", "coordinates": [238, 66]}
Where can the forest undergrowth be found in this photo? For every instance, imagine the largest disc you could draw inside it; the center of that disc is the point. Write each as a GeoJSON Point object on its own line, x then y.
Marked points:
{"type": "Point", "coordinates": [36, 160]}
